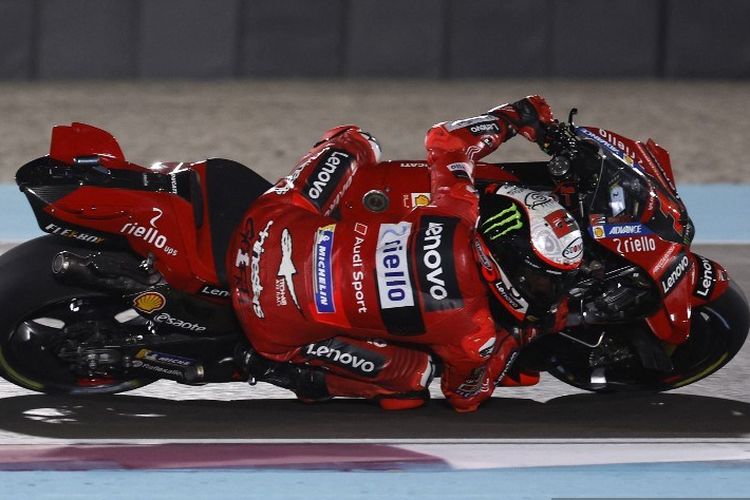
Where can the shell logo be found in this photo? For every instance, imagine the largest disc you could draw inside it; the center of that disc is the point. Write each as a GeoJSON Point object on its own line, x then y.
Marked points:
{"type": "Point", "coordinates": [598, 232]}
{"type": "Point", "coordinates": [149, 302]}
{"type": "Point", "coordinates": [421, 200]}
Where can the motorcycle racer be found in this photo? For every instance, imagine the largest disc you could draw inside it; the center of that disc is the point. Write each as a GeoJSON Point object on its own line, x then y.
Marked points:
{"type": "Point", "coordinates": [428, 280]}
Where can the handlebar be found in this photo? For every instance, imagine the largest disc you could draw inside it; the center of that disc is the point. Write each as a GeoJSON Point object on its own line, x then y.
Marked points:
{"type": "Point", "coordinates": [562, 144]}
{"type": "Point", "coordinates": [559, 166]}
{"type": "Point", "coordinates": [567, 150]}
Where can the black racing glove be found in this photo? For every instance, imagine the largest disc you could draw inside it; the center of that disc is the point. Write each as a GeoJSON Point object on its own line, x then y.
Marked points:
{"type": "Point", "coordinates": [559, 140]}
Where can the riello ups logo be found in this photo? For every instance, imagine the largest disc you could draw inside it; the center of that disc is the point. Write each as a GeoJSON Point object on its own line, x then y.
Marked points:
{"type": "Point", "coordinates": [399, 307]}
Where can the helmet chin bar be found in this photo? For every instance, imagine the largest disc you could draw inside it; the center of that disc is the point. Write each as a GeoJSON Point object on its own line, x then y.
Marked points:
{"type": "Point", "coordinates": [503, 290]}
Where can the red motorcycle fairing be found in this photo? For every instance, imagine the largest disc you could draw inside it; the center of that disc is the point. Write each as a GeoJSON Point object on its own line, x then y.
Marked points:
{"type": "Point", "coordinates": [79, 139]}
{"type": "Point", "coordinates": [706, 281]}
{"type": "Point", "coordinates": [387, 192]}
{"type": "Point", "coordinates": [86, 189]}
{"type": "Point", "coordinates": [150, 222]}
{"type": "Point", "coordinates": [652, 230]}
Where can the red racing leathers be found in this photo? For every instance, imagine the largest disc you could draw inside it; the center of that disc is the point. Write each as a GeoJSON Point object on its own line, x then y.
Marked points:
{"type": "Point", "coordinates": [313, 288]}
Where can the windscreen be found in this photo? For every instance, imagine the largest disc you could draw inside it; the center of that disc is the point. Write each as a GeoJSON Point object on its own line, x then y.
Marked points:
{"type": "Point", "coordinates": [622, 195]}
{"type": "Point", "coordinates": [622, 191]}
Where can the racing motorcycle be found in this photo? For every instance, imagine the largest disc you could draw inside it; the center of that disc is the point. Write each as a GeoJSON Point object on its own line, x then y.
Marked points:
{"type": "Point", "coordinates": [130, 285]}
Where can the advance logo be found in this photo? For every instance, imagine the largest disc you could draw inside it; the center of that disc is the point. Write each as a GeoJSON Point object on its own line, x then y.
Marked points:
{"type": "Point", "coordinates": [601, 231]}
{"type": "Point", "coordinates": [398, 306]}
{"type": "Point", "coordinates": [435, 265]}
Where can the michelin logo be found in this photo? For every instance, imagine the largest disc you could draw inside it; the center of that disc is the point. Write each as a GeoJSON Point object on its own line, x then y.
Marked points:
{"type": "Point", "coordinates": [322, 269]}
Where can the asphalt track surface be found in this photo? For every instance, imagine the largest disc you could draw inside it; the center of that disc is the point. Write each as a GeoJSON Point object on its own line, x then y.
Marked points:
{"type": "Point", "coordinates": [718, 407]}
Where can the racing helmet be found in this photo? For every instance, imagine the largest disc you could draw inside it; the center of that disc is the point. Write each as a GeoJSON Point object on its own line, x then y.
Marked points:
{"type": "Point", "coordinates": [530, 248]}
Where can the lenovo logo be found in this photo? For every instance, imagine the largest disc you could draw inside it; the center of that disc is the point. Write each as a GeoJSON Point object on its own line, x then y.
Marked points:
{"type": "Point", "coordinates": [437, 271]}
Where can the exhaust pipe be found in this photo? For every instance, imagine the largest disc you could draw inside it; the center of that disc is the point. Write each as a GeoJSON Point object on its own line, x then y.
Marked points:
{"type": "Point", "coordinates": [112, 273]}
{"type": "Point", "coordinates": [66, 264]}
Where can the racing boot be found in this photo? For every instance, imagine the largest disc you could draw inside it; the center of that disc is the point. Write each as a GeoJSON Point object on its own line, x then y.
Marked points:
{"type": "Point", "coordinates": [518, 378]}
{"type": "Point", "coordinates": [407, 401]}
{"type": "Point", "coordinates": [309, 384]}
{"type": "Point", "coordinates": [393, 376]}
{"type": "Point", "coordinates": [502, 362]}
{"type": "Point", "coordinates": [513, 375]}
{"type": "Point", "coordinates": [388, 399]}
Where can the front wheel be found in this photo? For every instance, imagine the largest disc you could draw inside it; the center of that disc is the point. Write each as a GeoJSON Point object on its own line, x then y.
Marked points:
{"type": "Point", "coordinates": [718, 331]}
{"type": "Point", "coordinates": [44, 323]}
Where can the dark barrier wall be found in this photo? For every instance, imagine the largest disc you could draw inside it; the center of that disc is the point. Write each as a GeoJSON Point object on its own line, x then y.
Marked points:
{"type": "Point", "coordinates": [68, 39]}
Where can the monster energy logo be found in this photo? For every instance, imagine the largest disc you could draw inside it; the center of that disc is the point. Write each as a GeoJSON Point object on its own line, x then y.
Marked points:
{"type": "Point", "coordinates": [502, 223]}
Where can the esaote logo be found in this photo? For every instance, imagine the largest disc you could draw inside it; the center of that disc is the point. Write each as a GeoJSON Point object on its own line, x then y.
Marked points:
{"type": "Point", "coordinates": [150, 235]}
{"type": "Point", "coordinates": [172, 321]}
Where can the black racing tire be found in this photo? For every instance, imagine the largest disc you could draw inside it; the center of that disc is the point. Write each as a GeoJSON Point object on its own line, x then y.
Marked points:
{"type": "Point", "coordinates": [717, 333]}
{"type": "Point", "coordinates": [28, 291]}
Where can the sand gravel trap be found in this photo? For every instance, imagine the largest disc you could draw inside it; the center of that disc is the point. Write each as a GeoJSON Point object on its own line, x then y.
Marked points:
{"type": "Point", "coordinates": [269, 124]}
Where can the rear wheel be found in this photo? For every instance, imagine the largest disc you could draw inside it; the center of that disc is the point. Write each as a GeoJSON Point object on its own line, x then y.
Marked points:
{"type": "Point", "coordinates": [718, 331]}
{"type": "Point", "coordinates": [54, 338]}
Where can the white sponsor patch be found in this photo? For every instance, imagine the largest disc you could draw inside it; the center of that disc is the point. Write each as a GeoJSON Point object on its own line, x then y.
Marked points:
{"type": "Point", "coordinates": [392, 266]}
{"type": "Point", "coordinates": [457, 124]}
{"type": "Point", "coordinates": [460, 167]}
